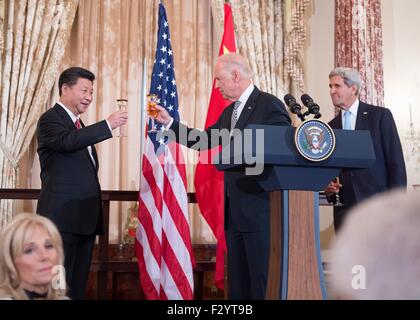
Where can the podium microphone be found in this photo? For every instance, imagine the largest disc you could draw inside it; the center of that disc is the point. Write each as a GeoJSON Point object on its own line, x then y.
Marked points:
{"type": "Point", "coordinates": [294, 106]}
{"type": "Point", "coordinates": [311, 105]}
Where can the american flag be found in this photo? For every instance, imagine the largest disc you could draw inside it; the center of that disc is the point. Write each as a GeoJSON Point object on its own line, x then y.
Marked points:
{"type": "Point", "coordinates": [163, 243]}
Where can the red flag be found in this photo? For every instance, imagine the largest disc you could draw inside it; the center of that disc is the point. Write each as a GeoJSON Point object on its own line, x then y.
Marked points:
{"type": "Point", "coordinates": [163, 243]}
{"type": "Point", "coordinates": [208, 182]}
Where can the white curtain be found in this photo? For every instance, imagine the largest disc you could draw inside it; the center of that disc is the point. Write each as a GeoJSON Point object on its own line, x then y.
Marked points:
{"type": "Point", "coordinates": [33, 37]}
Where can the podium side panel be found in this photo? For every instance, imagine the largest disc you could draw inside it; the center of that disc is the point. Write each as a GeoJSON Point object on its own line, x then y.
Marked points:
{"type": "Point", "coordinates": [274, 268]}
{"type": "Point", "coordinates": [317, 231]}
{"type": "Point", "coordinates": [303, 276]}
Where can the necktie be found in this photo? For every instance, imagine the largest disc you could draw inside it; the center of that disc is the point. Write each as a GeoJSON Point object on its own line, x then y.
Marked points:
{"type": "Point", "coordinates": [235, 115]}
{"type": "Point", "coordinates": [347, 123]}
{"type": "Point", "coordinates": [78, 124]}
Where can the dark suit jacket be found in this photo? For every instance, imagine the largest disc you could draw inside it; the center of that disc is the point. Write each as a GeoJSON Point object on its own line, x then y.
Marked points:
{"type": "Point", "coordinates": [70, 192]}
{"type": "Point", "coordinates": [246, 203]}
{"type": "Point", "coordinates": [387, 172]}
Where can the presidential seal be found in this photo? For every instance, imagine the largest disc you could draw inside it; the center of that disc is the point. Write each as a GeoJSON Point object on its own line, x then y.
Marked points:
{"type": "Point", "coordinates": [315, 140]}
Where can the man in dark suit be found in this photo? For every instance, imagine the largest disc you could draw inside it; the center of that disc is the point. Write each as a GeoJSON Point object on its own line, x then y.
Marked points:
{"type": "Point", "coordinates": [246, 204]}
{"type": "Point", "coordinates": [388, 171]}
{"type": "Point", "coordinates": [70, 192]}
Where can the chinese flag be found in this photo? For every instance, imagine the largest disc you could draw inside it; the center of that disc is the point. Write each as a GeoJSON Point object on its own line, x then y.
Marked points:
{"type": "Point", "coordinates": [208, 182]}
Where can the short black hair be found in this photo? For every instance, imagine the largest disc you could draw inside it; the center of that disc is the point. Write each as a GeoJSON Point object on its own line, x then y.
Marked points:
{"type": "Point", "coordinates": [71, 75]}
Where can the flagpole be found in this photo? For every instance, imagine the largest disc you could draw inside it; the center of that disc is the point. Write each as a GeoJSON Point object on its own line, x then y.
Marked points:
{"type": "Point", "coordinates": [143, 95]}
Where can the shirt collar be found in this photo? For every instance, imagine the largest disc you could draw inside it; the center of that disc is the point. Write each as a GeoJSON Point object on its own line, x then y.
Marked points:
{"type": "Point", "coordinates": [354, 107]}
{"type": "Point", "coordinates": [245, 95]}
{"type": "Point", "coordinates": [71, 114]}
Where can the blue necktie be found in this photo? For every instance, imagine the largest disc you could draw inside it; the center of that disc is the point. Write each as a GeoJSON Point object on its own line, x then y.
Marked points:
{"type": "Point", "coordinates": [347, 123]}
{"type": "Point", "coordinates": [235, 115]}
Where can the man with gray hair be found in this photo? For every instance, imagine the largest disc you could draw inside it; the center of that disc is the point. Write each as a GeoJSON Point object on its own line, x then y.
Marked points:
{"type": "Point", "coordinates": [388, 171]}
{"type": "Point", "coordinates": [247, 214]}
{"type": "Point", "coordinates": [377, 253]}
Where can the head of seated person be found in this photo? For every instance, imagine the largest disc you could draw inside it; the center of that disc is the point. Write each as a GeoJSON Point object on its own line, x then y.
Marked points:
{"type": "Point", "coordinates": [376, 255]}
{"type": "Point", "coordinates": [31, 259]}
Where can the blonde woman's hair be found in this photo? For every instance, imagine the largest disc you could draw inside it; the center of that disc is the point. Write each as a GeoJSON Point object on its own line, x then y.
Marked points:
{"type": "Point", "coordinates": [12, 239]}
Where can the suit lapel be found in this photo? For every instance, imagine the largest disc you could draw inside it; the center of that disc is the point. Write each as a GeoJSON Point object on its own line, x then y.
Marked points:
{"type": "Point", "coordinates": [65, 116]}
{"type": "Point", "coordinates": [69, 123]}
{"type": "Point", "coordinates": [336, 123]}
{"type": "Point", "coordinates": [362, 117]}
{"type": "Point", "coordinates": [248, 109]}
{"type": "Point", "coordinates": [94, 154]}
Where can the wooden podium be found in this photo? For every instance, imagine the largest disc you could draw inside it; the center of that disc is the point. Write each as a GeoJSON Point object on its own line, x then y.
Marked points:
{"type": "Point", "coordinates": [295, 269]}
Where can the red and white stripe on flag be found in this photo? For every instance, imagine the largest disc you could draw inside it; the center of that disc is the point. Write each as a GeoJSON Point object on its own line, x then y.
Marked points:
{"type": "Point", "coordinates": [165, 253]}
{"type": "Point", "coordinates": [163, 242]}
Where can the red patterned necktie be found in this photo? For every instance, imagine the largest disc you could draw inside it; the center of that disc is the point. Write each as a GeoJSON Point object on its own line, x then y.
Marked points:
{"type": "Point", "coordinates": [78, 124]}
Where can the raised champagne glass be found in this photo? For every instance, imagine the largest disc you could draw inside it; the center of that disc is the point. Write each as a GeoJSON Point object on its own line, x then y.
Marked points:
{"type": "Point", "coordinates": [152, 111]}
{"type": "Point", "coordinates": [122, 106]}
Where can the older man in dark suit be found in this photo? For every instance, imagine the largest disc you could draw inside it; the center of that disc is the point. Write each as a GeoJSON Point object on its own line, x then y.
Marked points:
{"type": "Point", "coordinates": [247, 219]}
{"type": "Point", "coordinates": [70, 192]}
{"type": "Point", "coordinates": [388, 171]}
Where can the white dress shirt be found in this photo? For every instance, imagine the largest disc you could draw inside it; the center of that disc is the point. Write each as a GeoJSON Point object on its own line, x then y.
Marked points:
{"type": "Point", "coordinates": [353, 114]}
{"type": "Point", "coordinates": [244, 98]}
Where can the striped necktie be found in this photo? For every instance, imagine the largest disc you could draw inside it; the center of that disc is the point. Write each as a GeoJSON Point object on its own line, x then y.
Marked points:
{"type": "Point", "coordinates": [234, 119]}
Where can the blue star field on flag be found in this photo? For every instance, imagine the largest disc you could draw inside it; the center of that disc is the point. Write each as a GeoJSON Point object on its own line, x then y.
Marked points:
{"type": "Point", "coordinates": [163, 77]}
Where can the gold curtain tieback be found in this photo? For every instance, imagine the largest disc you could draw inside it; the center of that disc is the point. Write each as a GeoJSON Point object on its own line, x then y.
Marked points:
{"type": "Point", "coordinates": [8, 155]}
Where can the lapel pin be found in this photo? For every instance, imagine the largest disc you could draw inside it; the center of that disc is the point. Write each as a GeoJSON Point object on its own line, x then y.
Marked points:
{"type": "Point", "coordinates": [249, 108]}
{"type": "Point", "coordinates": [365, 112]}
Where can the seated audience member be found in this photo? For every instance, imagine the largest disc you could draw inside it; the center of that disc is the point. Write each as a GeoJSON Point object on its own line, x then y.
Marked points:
{"type": "Point", "coordinates": [31, 260]}
{"type": "Point", "coordinates": [377, 253]}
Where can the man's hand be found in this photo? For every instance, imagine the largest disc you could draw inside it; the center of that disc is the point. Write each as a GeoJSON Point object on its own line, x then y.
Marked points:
{"type": "Point", "coordinates": [117, 119]}
{"type": "Point", "coordinates": [332, 188]}
{"type": "Point", "coordinates": [163, 116]}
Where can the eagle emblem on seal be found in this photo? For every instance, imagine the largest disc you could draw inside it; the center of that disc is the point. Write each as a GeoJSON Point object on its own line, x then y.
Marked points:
{"type": "Point", "coordinates": [315, 139]}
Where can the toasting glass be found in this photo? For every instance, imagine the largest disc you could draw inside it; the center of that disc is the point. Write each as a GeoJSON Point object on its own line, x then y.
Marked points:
{"type": "Point", "coordinates": [338, 202]}
{"type": "Point", "coordinates": [152, 111]}
{"type": "Point", "coordinates": [122, 106]}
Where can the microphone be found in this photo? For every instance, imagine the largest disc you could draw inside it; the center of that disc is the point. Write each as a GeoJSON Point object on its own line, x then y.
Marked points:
{"type": "Point", "coordinates": [294, 106]}
{"type": "Point", "coordinates": [311, 105]}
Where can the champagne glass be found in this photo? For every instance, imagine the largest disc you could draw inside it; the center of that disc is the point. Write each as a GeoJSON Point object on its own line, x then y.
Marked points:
{"type": "Point", "coordinates": [152, 111]}
{"type": "Point", "coordinates": [122, 106]}
{"type": "Point", "coordinates": [338, 202]}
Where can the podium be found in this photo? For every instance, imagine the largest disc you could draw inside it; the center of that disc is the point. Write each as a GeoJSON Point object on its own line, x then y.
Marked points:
{"type": "Point", "coordinates": [295, 269]}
